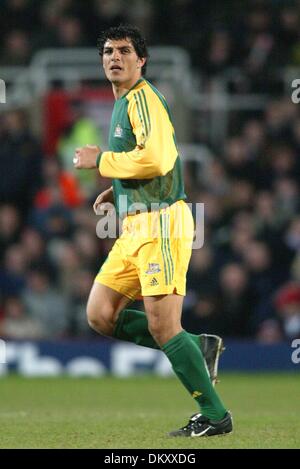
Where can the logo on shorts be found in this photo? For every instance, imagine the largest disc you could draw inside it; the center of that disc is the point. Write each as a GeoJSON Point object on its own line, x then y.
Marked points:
{"type": "Point", "coordinates": [154, 282]}
{"type": "Point", "coordinates": [153, 269]}
{"type": "Point", "coordinates": [118, 131]}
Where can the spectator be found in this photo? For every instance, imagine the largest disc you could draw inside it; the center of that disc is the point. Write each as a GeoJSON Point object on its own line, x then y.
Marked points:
{"type": "Point", "coordinates": [105, 13]}
{"type": "Point", "coordinates": [16, 323]}
{"type": "Point", "coordinates": [201, 277]}
{"type": "Point", "coordinates": [10, 227]}
{"type": "Point", "coordinates": [18, 14]}
{"type": "Point", "coordinates": [80, 131]}
{"type": "Point", "coordinates": [45, 304]}
{"type": "Point", "coordinates": [269, 332]}
{"type": "Point", "coordinates": [87, 247]}
{"type": "Point", "coordinates": [70, 33]}
{"type": "Point", "coordinates": [235, 302]}
{"type": "Point", "coordinates": [237, 163]}
{"type": "Point", "coordinates": [65, 182]}
{"type": "Point", "coordinates": [55, 220]}
{"type": "Point", "coordinates": [67, 262]}
{"type": "Point", "coordinates": [17, 49]}
{"type": "Point", "coordinates": [20, 159]}
{"type": "Point", "coordinates": [219, 55]}
{"type": "Point", "coordinates": [13, 272]}
{"type": "Point", "coordinates": [80, 288]}
{"type": "Point", "coordinates": [287, 303]}
{"type": "Point", "coordinates": [203, 315]}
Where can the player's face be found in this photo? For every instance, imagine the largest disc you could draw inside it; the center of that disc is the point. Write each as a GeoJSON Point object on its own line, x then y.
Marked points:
{"type": "Point", "coordinates": [121, 64]}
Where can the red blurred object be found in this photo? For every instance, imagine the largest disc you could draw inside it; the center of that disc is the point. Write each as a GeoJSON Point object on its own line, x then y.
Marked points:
{"type": "Point", "coordinates": [287, 295]}
{"type": "Point", "coordinates": [58, 111]}
{"type": "Point", "coordinates": [70, 192]}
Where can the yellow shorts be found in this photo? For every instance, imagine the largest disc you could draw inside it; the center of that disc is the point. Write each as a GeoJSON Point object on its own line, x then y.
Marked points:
{"type": "Point", "coordinates": [152, 255]}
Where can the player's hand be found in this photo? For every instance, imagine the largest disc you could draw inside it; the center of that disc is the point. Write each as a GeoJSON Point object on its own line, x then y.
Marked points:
{"type": "Point", "coordinates": [104, 202]}
{"type": "Point", "coordinates": [86, 157]}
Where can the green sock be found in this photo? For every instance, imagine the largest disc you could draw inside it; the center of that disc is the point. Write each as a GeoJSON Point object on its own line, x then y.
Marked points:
{"type": "Point", "coordinates": [132, 326]}
{"type": "Point", "coordinates": [188, 364]}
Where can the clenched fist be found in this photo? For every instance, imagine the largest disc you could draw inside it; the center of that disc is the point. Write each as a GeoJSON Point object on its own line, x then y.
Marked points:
{"type": "Point", "coordinates": [86, 157]}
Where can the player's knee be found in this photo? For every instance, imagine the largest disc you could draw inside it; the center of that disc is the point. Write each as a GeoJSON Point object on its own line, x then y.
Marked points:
{"type": "Point", "coordinates": [101, 319]}
{"type": "Point", "coordinates": [162, 331]}
{"type": "Point", "coordinates": [99, 325]}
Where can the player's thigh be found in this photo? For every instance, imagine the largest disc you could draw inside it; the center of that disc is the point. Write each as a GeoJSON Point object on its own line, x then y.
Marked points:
{"type": "Point", "coordinates": [164, 316]}
{"type": "Point", "coordinates": [118, 273]}
{"type": "Point", "coordinates": [104, 305]}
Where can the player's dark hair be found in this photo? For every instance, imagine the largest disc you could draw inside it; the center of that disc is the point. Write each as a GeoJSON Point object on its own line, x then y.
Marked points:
{"type": "Point", "coordinates": [125, 31]}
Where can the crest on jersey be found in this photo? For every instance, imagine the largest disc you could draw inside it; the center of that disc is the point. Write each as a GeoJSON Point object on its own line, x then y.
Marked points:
{"type": "Point", "coordinates": [118, 131]}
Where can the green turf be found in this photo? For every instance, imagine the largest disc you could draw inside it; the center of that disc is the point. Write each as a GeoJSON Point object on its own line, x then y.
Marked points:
{"type": "Point", "coordinates": [137, 413]}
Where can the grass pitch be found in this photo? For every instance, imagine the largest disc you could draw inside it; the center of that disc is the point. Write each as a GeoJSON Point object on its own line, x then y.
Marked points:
{"type": "Point", "coordinates": [138, 412]}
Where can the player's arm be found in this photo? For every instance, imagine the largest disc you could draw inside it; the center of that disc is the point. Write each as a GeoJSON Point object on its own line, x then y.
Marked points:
{"type": "Point", "coordinates": [155, 152]}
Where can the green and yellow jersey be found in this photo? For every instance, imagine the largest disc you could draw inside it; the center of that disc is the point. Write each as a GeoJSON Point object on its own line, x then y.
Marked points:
{"type": "Point", "coordinates": [143, 159]}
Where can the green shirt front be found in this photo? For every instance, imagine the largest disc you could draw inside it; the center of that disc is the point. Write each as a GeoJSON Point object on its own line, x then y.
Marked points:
{"type": "Point", "coordinates": [141, 133]}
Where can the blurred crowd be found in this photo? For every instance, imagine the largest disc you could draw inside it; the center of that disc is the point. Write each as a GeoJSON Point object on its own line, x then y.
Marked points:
{"type": "Point", "coordinates": [245, 281]}
{"type": "Point", "coordinates": [256, 35]}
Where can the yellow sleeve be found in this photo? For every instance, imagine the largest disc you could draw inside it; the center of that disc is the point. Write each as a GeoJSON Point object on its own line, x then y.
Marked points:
{"type": "Point", "coordinates": [155, 152]}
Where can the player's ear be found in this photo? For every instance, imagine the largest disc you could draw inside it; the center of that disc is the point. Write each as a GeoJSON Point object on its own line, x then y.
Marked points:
{"type": "Point", "coordinates": [141, 62]}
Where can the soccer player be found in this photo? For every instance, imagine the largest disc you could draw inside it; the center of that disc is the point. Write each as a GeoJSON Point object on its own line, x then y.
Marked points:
{"type": "Point", "coordinates": [144, 164]}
